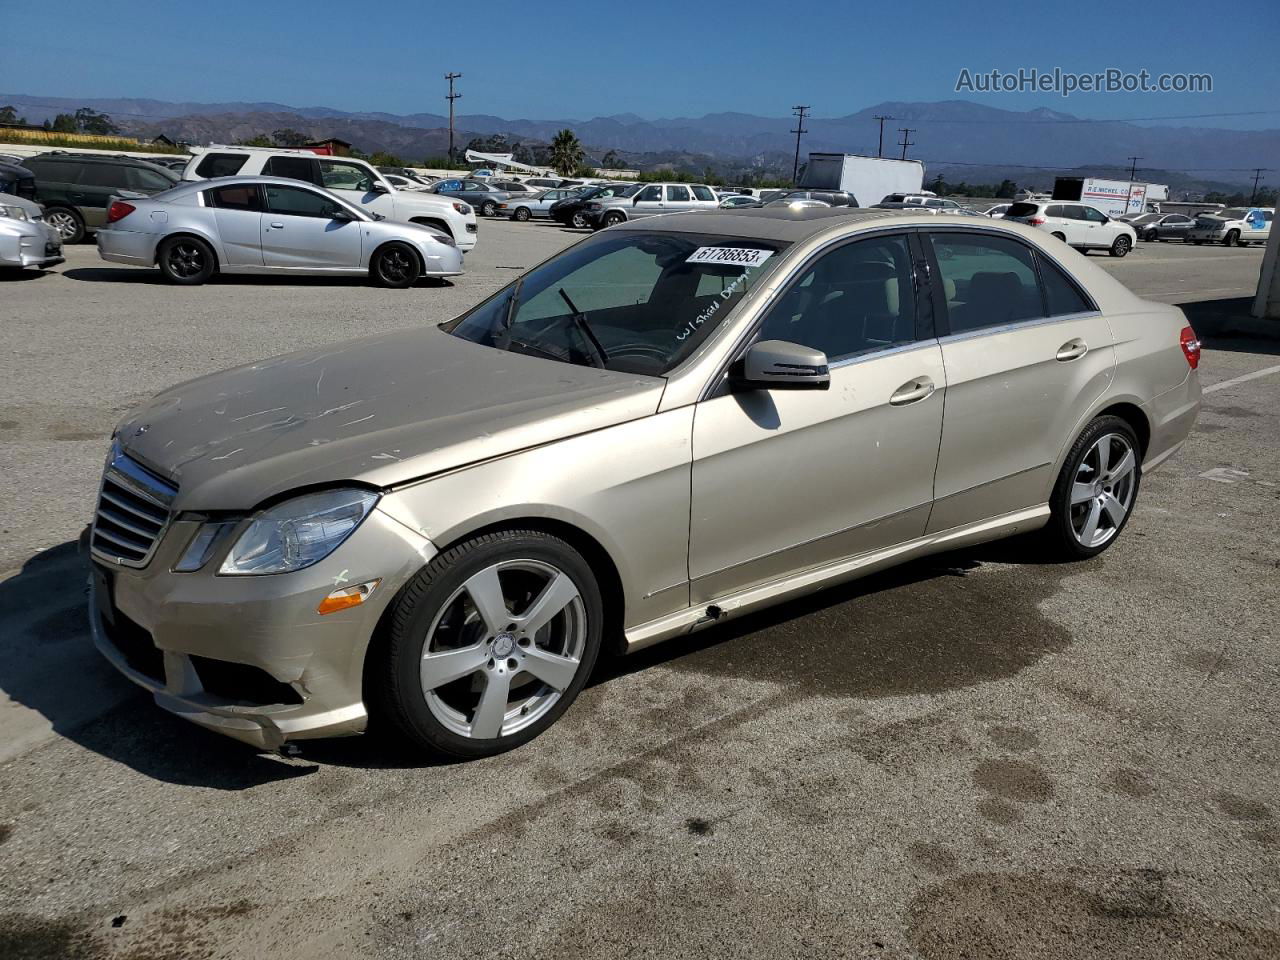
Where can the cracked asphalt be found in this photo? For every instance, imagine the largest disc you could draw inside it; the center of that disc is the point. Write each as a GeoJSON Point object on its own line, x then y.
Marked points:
{"type": "Point", "coordinates": [976, 755]}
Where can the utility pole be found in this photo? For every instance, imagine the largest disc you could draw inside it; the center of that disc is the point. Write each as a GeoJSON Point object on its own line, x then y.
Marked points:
{"type": "Point", "coordinates": [1257, 175]}
{"type": "Point", "coordinates": [1133, 166]}
{"type": "Point", "coordinates": [451, 97]}
{"type": "Point", "coordinates": [880, 145]}
{"type": "Point", "coordinates": [906, 140]}
{"type": "Point", "coordinates": [799, 112]}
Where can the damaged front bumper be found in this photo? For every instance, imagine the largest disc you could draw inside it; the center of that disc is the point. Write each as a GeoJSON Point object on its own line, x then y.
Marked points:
{"type": "Point", "coordinates": [250, 656]}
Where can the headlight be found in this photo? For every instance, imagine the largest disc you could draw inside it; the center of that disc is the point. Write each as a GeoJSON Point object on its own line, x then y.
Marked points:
{"type": "Point", "coordinates": [462, 208]}
{"type": "Point", "coordinates": [299, 532]}
{"type": "Point", "coordinates": [14, 213]}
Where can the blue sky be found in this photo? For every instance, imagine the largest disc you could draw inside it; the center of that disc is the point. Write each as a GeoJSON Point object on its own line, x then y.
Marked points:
{"type": "Point", "coordinates": [563, 59]}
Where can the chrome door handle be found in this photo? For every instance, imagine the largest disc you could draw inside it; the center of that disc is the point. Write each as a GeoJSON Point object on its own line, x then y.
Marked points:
{"type": "Point", "coordinates": [278, 226]}
{"type": "Point", "coordinates": [1072, 350]}
{"type": "Point", "coordinates": [913, 391]}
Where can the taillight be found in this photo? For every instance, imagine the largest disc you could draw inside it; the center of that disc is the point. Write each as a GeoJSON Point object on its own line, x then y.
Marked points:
{"type": "Point", "coordinates": [1037, 221]}
{"type": "Point", "coordinates": [119, 210]}
{"type": "Point", "coordinates": [1190, 344]}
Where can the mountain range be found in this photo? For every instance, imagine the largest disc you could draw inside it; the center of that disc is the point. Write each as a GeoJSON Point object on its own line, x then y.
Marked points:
{"type": "Point", "coordinates": [949, 135]}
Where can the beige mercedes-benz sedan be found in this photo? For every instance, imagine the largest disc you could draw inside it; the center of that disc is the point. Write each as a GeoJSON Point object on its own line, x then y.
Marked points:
{"type": "Point", "coordinates": [669, 424]}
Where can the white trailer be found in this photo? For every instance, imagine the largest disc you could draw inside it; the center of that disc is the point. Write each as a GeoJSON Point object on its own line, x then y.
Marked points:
{"type": "Point", "coordinates": [1115, 198]}
{"type": "Point", "coordinates": [868, 179]}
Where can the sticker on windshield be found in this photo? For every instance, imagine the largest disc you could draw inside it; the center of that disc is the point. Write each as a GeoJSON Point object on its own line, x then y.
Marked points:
{"type": "Point", "coordinates": [738, 256]}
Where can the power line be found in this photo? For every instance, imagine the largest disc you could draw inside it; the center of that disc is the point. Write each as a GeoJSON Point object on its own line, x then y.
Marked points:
{"type": "Point", "coordinates": [1257, 175]}
{"type": "Point", "coordinates": [451, 97]}
{"type": "Point", "coordinates": [906, 140]}
{"type": "Point", "coordinates": [800, 112]}
{"type": "Point", "coordinates": [880, 145]}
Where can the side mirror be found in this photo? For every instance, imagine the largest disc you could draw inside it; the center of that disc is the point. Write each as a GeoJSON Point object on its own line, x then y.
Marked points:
{"type": "Point", "coordinates": [380, 187]}
{"type": "Point", "coordinates": [780, 365]}
{"type": "Point", "coordinates": [341, 216]}
{"type": "Point", "coordinates": [635, 200]}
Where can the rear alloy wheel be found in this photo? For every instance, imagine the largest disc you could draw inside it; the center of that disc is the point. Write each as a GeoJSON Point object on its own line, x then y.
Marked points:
{"type": "Point", "coordinates": [1096, 490]}
{"type": "Point", "coordinates": [521, 214]}
{"type": "Point", "coordinates": [579, 220]}
{"type": "Point", "coordinates": [67, 222]}
{"type": "Point", "coordinates": [491, 642]}
{"type": "Point", "coordinates": [1121, 247]}
{"type": "Point", "coordinates": [186, 260]}
{"type": "Point", "coordinates": [488, 208]}
{"type": "Point", "coordinates": [1231, 239]}
{"type": "Point", "coordinates": [395, 266]}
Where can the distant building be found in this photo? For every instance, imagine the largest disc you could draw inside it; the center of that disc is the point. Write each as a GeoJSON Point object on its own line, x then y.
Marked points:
{"type": "Point", "coordinates": [329, 147]}
{"type": "Point", "coordinates": [160, 140]}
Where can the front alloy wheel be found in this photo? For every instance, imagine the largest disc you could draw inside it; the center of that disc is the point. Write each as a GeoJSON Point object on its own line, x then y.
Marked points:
{"type": "Point", "coordinates": [579, 220]}
{"type": "Point", "coordinates": [1121, 247]}
{"type": "Point", "coordinates": [491, 642]}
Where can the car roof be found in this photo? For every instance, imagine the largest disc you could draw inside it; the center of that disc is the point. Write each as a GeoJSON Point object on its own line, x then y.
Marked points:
{"type": "Point", "coordinates": [193, 186]}
{"type": "Point", "coordinates": [94, 157]}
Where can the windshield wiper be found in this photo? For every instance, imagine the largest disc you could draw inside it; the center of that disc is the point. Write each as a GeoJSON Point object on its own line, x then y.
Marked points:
{"type": "Point", "coordinates": [580, 319]}
{"type": "Point", "coordinates": [504, 332]}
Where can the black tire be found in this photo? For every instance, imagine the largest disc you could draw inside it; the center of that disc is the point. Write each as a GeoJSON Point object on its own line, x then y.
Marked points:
{"type": "Point", "coordinates": [1060, 236]}
{"type": "Point", "coordinates": [488, 208]}
{"type": "Point", "coordinates": [579, 220]}
{"type": "Point", "coordinates": [1197, 242]}
{"type": "Point", "coordinates": [395, 266]}
{"type": "Point", "coordinates": [186, 261]}
{"type": "Point", "coordinates": [1231, 239]}
{"type": "Point", "coordinates": [1121, 246]}
{"type": "Point", "coordinates": [614, 217]}
{"type": "Point", "coordinates": [1059, 535]}
{"type": "Point", "coordinates": [396, 671]}
{"type": "Point", "coordinates": [1152, 235]}
{"type": "Point", "coordinates": [68, 223]}
{"type": "Point", "coordinates": [522, 214]}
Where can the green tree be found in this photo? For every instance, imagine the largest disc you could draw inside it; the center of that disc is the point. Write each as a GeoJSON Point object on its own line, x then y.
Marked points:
{"type": "Point", "coordinates": [1007, 190]}
{"type": "Point", "coordinates": [91, 121]}
{"type": "Point", "coordinates": [257, 140]}
{"type": "Point", "coordinates": [381, 158]}
{"type": "Point", "coordinates": [289, 137]}
{"type": "Point", "coordinates": [9, 114]}
{"type": "Point", "coordinates": [566, 152]}
{"type": "Point", "coordinates": [64, 123]}
{"type": "Point", "coordinates": [611, 160]}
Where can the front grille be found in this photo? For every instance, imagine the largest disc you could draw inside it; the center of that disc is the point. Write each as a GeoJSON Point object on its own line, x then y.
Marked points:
{"type": "Point", "coordinates": [133, 512]}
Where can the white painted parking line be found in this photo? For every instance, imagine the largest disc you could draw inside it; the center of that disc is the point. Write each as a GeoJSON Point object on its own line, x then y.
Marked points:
{"type": "Point", "coordinates": [1223, 384]}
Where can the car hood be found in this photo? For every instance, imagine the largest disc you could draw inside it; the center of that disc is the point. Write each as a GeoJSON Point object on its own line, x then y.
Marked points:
{"type": "Point", "coordinates": [383, 410]}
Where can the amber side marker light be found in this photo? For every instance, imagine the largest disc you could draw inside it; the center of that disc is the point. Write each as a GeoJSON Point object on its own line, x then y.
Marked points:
{"type": "Point", "coordinates": [347, 597]}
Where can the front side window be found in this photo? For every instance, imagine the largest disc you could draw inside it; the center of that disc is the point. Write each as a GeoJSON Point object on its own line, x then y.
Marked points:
{"type": "Point", "coordinates": [638, 302]}
{"type": "Point", "coordinates": [293, 168]}
{"type": "Point", "coordinates": [296, 202]}
{"type": "Point", "coordinates": [857, 299]}
{"type": "Point", "coordinates": [221, 164]}
{"type": "Point", "coordinates": [1094, 214]}
{"type": "Point", "coordinates": [988, 281]}
{"type": "Point", "coordinates": [338, 175]}
{"type": "Point", "coordinates": [678, 193]}
{"type": "Point", "coordinates": [243, 196]}
{"type": "Point", "coordinates": [650, 193]}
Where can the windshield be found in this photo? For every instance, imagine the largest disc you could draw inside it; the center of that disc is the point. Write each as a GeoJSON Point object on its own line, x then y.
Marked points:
{"type": "Point", "coordinates": [635, 301]}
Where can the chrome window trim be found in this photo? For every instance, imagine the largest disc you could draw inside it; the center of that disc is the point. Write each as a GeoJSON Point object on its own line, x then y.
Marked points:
{"type": "Point", "coordinates": [1011, 327]}
{"type": "Point", "coordinates": [883, 352]}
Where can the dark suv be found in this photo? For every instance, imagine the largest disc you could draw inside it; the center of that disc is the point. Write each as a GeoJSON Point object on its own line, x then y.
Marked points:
{"type": "Point", "coordinates": [76, 188]}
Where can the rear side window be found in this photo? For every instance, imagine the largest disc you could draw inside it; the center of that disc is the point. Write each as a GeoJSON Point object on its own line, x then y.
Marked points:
{"type": "Point", "coordinates": [988, 281]}
{"type": "Point", "coordinates": [239, 197]}
{"type": "Point", "coordinates": [104, 175]}
{"type": "Point", "coordinates": [703, 193]}
{"type": "Point", "coordinates": [340, 175]}
{"type": "Point", "coordinates": [221, 164]}
{"type": "Point", "coordinates": [153, 180]}
{"type": "Point", "coordinates": [677, 193]}
{"type": "Point", "coordinates": [294, 168]}
{"type": "Point", "coordinates": [1061, 295]}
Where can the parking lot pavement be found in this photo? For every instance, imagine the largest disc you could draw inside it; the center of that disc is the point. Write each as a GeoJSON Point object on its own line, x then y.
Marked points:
{"type": "Point", "coordinates": [978, 754]}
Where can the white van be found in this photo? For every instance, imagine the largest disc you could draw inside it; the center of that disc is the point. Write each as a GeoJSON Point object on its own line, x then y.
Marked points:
{"type": "Point", "coordinates": [354, 180]}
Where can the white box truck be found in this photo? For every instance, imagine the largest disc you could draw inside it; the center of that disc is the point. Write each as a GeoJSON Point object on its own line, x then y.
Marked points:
{"type": "Point", "coordinates": [868, 179]}
{"type": "Point", "coordinates": [1115, 198]}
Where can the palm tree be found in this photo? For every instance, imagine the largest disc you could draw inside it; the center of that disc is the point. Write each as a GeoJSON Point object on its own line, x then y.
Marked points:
{"type": "Point", "coordinates": [566, 152]}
